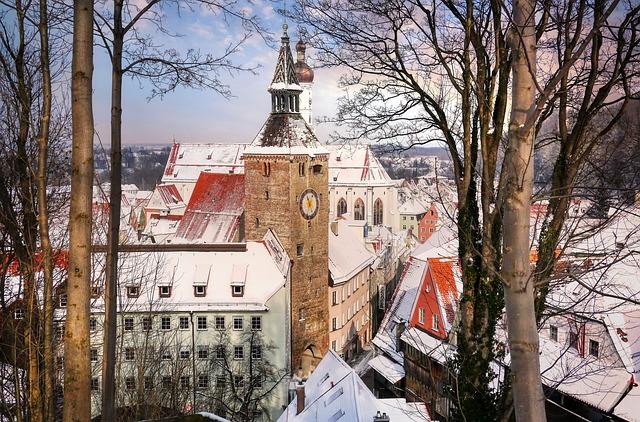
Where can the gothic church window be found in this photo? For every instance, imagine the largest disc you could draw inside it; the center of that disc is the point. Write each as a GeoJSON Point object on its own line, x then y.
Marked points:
{"type": "Point", "coordinates": [342, 207]}
{"type": "Point", "coordinates": [377, 212]}
{"type": "Point", "coordinates": [358, 209]}
{"type": "Point", "coordinates": [266, 169]}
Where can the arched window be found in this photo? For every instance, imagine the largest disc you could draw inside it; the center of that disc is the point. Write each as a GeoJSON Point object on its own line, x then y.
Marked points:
{"type": "Point", "coordinates": [342, 207]}
{"type": "Point", "coordinates": [358, 209]}
{"type": "Point", "coordinates": [377, 212]}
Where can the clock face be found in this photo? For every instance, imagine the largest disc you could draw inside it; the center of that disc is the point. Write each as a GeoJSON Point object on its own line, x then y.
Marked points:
{"type": "Point", "coordinates": [309, 204]}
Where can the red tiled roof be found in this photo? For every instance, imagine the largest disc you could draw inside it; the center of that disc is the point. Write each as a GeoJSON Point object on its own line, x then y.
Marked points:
{"type": "Point", "coordinates": [60, 260]}
{"type": "Point", "coordinates": [214, 209]}
{"type": "Point", "coordinates": [169, 194]}
{"type": "Point", "coordinates": [172, 159]}
{"type": "Point", "coordinates": [442, 273]}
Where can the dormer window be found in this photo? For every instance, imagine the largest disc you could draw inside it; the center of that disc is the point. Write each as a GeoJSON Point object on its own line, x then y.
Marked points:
{"type": "Point", "coordinates": [199, 291]}
{"type": "Point", "coordinates": [237, 291]}
{"type": "Point", "coordinates": [18, 313]}
{"type": "Point", "coordinates": [164, 291]}
{"type": "Point", "coordinates": [133, 291]}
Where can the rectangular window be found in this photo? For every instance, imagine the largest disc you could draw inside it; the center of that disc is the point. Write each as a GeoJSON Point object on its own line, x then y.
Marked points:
{"type": "Point", "coordinates": [146, 323]}
{"type": "Point", "coordinates": [164, 291]}
{"type": "Point", "coordinates": [128, 324]}
{"type": "Point", "coordinates": [203, 352]}
{"type": "Point", "coordinates": [334, 324]}
{"type": "Point", "coordinates": [333, 345]}
{"type": "Point", "coordinates": [238, 380]}
{"type": "Point", "coordinates": [202, 323]}
{"type": "Point", "coordinates": [63, 300]}
{"type": "Point", "coordinates": [148, 383]}
{"type": "Point", "coordinates": [435, 323]}
{"type": "Point", "coordinates": [93, 324]}
{"type": "Point", "coordinates": [95, 384]}
{"type": "Point", "coordinates": [184, 382]}
{"type": "Point", "coordinates": [219, 323]}
{"type": "Point", "coordinates": [166, 383]}
{"type": "Point", "coordinates": [184, 353]}
{"type": "Point", "coordinates": [94, 355]}
{"type": "Point", "coordinates": [421, 315]}
{"type": "Point", "coordinates": [334, 298]}
{"type": "Point", "coordinates": [184, 323]}
{"type": "Point", "coordinates": [238, 323]}
{"type": "Point", "coordinates": [594, 348]}
{"type": "Point", "coordinates": [129, 353]}
{"type": "Point", "coordinates": [166, 355]}
{"type": "Point", "coordinates": [203, 382]}
{"type": "Point", "coordinates": [300, 249]}
{"type": "Point", "coordinates": [130, 383]}
{"type": "Point", "coordinates": [220, 352]}
{"type": "Point", "coordinates": [553, 332]}
{"type": "Point", "coordinates": [199, 291]}
{"type": "Point", "coordinates": [573, 340]}
{"type": "Point", "coordinates": [256, 351]}
{"type": "Point", "coordinates": [258, 382]}
{"type": "Point", "coordinates": [238, 352]}
{"type": "Point", "coordinates": [237, 291]}
{"type": "Point", "coordinates": [18, 313]}
{"type": "Point", "coordinates": [133, 291]}
{"type": "Point", "coordinates": [165, 323]}
{"type": "Point", "coordinates": [256, 323]}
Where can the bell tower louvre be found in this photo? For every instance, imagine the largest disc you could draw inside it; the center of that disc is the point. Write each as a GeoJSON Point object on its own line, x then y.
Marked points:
{"type": "Point", "coordinates": [287, 190]}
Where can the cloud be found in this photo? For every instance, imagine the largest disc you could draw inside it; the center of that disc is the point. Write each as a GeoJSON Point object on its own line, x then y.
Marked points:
{"type": "Point", "coordinates": [201, 30]}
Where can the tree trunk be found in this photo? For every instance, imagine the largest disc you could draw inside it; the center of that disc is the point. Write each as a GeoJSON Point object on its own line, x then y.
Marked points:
{"type": "Point", "coordinates": [528, 398]}
{"type": "Point", "coordinates": [77, 370]}
{"type": "Point", "coordinates": [43, 216]}
{"type": "Point", "coordinates": [113, 234]}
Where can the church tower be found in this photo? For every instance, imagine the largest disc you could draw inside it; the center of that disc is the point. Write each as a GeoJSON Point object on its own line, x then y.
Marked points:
{"type": "Point", "coordinates": [305, 77]}
{"type": "Point", "coordinates": [287, 190]}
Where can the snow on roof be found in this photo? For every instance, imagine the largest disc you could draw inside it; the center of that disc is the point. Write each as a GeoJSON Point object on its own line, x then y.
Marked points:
{"type": "Point", "coordinates": [443, 243]}
{"type": "Point", "coordinates": [354, 165]}
{"type": "Point", "coordinates": [183, 270]}
{"type": "Point", "coordinates": [413, 206]}
{"type": "Point", "coordinates": [334, 392]}
{"type": "Point", "coordinates": [389, 369]}
{"type": "Point", "coordinates": [629, 407]}
{"type": "Point", "coordinates": [214, 210]}
{"type": "Point", "coordinates": [162, 228]}
{"type": "Point", "coordinates": [401, 410]}
{"type": "Point", "coordinates": [286, 134]}
{"type": "Point", "coordinates": [401, 307]}
{"type": "Point", "coordinates": [347, 253]}
{"type": "Point", "coordinates": [428, 345]}
{"type": "Point", "coordinates": [187, 161]}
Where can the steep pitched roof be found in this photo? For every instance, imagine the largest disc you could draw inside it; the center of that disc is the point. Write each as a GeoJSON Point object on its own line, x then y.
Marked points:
{"type": "Point", "coordinates": [214, 210]}
{"type": "Point", "coordinates": [284, 77]}
{"type": "Point", "coordinates": [348, 254]}
{"type": "Point", "coordinates": [354, 164]}
{"type": "Point", "coordinates": [447, 279]}
{"type": "Point", "coordinates": [286, 133]}
{"type": "Point", "coordinates": [187, 161]}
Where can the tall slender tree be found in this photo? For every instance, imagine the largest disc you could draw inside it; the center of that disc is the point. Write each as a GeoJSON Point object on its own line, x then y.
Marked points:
{"type": "Point", "coordinates": [77, 368]}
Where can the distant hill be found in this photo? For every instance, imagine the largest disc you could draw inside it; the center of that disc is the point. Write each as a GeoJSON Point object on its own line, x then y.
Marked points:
{"type": "Point", "coordinates": [416, 151]}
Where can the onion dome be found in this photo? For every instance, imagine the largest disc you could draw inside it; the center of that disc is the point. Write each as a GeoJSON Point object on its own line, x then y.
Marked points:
{"type": "Point", "coordinates": [303, 71]}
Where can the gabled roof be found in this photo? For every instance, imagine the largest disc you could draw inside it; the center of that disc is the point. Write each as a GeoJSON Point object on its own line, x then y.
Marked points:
{"type": "Point", "coordinates": [348, 254]}
{"type": "Point", "coordinates": [214, 210]}
{"type": "Point", "coordinates": [356, 164]}
{"type": "Point", "coordinates": [335, 393]}
{"type": "Point", "coordinates": [413, 206]}
{"type": "Point", "coordinates": [446, 276]}
{"type": "Point", "coordinates": [169, 195]}
{"type": "Point", "coordinates": [187, 161]}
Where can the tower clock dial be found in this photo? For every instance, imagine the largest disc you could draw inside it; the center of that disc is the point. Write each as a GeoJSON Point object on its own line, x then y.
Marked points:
{"type": "Point", "coordinates": [309, 204]}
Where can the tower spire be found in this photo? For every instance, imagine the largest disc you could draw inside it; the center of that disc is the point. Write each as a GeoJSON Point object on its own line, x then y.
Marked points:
{"type": "Point", "coordinates": [285, 89]}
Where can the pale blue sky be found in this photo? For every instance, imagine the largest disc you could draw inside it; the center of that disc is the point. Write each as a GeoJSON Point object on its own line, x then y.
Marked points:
{"type": "Point", "coordinates": [188, 115]}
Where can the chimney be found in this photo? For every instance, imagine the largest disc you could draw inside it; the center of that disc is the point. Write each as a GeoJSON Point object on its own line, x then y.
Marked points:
{"type": "Point", "coordinates": [334, 227]}
{"type": "Point", "coordinates": [299, 397]}
{"type": "Point", "coordinates": [381, 417]}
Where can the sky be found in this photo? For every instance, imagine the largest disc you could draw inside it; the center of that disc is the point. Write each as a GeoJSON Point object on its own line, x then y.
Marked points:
{"type": "Point", "coordinates": [188, 115]}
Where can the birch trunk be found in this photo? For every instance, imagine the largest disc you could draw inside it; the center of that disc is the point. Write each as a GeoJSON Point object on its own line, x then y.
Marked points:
{"type": "Point", "coordinates": [77, 370]}
{"type": "Point", "coordinates": [528, 398]}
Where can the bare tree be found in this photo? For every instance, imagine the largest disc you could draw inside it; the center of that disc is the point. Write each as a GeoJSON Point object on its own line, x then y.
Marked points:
{"type": "Point", "coordinates": [132, 52]}
{"type": "Point", "coordinates": [77, 370]}
{"type": "Point", "coordinates": [440, 71]}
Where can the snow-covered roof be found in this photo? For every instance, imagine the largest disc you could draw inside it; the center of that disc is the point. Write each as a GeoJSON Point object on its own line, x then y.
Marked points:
{"type": "Point", "coordinates": [284, 134]}
{"type": "Point", "coordinates": [347, 253]}
{"type": "Point", "coordinates": [214, 210]}
{"type": "Point", "coordinates": [356, 165]}
{"type": "Point", "coordinates": [389, 369]}
{"type": "Point", "coordinates": [401, 307]}
{"type": "Point", "coordinates": [182, 271]}
{"type": "Point", "coordinates": [334, 392]}
{"type": "Point", "coordinates": [428, 345]}
{"type": "Point", "coordinates": [187, 161]}
{"type": "Point", "coordinates": [413, 206]}
{"type": "Point", "coordinates": [443, 243]}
